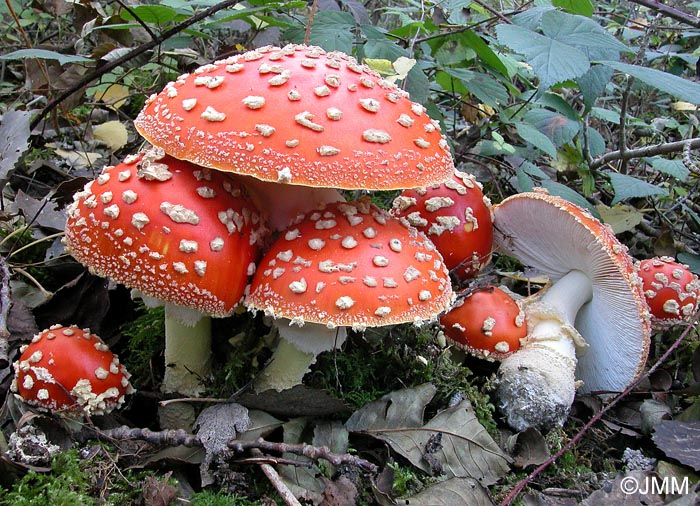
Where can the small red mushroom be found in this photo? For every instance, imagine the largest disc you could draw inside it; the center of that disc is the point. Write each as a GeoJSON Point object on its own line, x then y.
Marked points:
{"type": "Point", "coordinates": [487, 322]}
{"type": "Point", "coordinates": [71, 370]}
{"type": "Point", "coordinates": [456, 216]}
{"type": "Point", "coordinates": [672, 291]}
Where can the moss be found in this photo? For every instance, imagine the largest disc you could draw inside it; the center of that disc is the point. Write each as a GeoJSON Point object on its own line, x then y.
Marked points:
{"type": "Point", "coordinates": [146, 341]}
{"type": "Point", "coordinates": [210, 498]}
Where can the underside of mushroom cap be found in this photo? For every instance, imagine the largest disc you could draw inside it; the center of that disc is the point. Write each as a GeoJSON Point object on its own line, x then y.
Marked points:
{"type": "Point", "coordinates": [555, 237]}
{"type": "Point", "coordinates": [298, 115]}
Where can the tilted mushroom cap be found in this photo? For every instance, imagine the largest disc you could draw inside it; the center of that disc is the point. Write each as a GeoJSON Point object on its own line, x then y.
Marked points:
{"type": "Point", "coordinates": [555, 237]}
{"type": "Point", "coordinates": [487, 322]}
{"type": "Point", "coordinates": [174, 231]}
{"type": "Point", "coordinates": [301, 116]}
{"type": "Point", "coordinates": [69, 369]}
{"type": "Point", "coordinates": [672, 291]}
{"type": "Point", "coordinates": [351, 264]}
{"type": "Point", "coordinates": [456, 216]}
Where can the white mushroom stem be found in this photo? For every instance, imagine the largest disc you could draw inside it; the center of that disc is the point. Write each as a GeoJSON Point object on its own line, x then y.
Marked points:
{"type": "Point", "coordinates": [537, 383]}
{"type": "Point", "coordinates": [187, 353]}
{"type": "Point", "coordinates": [296, 351]}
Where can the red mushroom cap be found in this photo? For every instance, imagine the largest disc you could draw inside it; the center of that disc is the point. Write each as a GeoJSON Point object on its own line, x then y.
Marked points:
{"type": "Point", "coordinates": [351, 264]}
{"type": "Point", "coordinates": [456, 216]}
{"type": "Point", "coordinates": [301, 116]}
{"type": "Point", "coordinates": [181, 233]}
{"type": "Point", "coordinates": [487, 322]}
{"type": "Point", "coordinates": [672, 291]}
{"type": "Point", "coordinates": [69, 369]}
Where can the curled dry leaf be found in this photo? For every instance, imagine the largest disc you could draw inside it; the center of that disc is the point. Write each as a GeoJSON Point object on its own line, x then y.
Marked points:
{"type": "Point", "coordinates": [112, 133]}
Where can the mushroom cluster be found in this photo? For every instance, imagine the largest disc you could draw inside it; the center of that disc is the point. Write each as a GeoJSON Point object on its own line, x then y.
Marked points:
{"type": "Point", "coordinates": [672, 291]}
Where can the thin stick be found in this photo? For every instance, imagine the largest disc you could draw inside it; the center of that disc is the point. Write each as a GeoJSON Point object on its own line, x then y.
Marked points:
{"type": "Point", "coordinates": [669, 11]}
{"type": "Point", "coordinates": [579, 435]}
{"type": "Point", "coordinates": [656, 149]}
{"type": "Point", "coordinates": [281, 487]}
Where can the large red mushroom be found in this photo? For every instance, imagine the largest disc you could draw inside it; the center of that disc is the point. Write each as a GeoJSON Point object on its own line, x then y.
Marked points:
{"type": "Point", "coordinates": [348, 265]}
{"type": "Point", "coordinates": [70, 370]}
{"type": "Point", "coordinates": [176, 232]}
{"type": "Point", "coordinates": [671, 289]}
{"type": "Point", "coordinates": [307, 120]}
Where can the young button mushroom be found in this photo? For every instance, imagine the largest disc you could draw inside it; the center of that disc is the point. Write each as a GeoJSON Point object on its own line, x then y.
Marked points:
{"type": "Point", "coordinates": [69, 370]}
{"type": "Point", "coordinates": [456, 216]}
{"type": "Point", "coordinates": [346, 265]}
{"type": "Point", "coordinates": [595, 304]}
{"type": "Point", "coordinates": [487, 323]}
{"type": "Point", "coordinates": [298, 115]}
{"type": "Point", "coordinates": [183, 234]}
{"type": "Point", "coordinates": [672, 291]}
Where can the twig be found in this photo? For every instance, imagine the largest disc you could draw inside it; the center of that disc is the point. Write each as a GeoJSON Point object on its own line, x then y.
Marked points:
{"type": "Point", "coordinates": [5, 303]}
{"type": "Point", "coordinates": [656, 149]}
{"type": "Point", "coordinates": [109, 66]}
{"type": "Point", "coordinates": [309, 24]}
{"type": "Point", "coordinates": [669, 11]}
{"type": "Point", "coordinates": [282, 489]}
{"type": "Point", "coordinates": [182, 438]}
{"type": "Point", "coordinates": [579, 435]}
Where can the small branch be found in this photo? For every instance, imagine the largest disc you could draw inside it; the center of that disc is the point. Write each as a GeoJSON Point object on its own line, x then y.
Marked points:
{"type": "Point", "coordinates": [109, 66]}
{"type": "Point", "coordinates": [310, 22]}
{"type": "Point", "coordinates": [669, 11]}
{"type": "Point", "coordinates": [5, 304]}
{"type": "Point", "coordinates": [579, 435]}
{"type": "Point", "coordinates": [274, 478]}
{"type": "Point", "coordinates": [656, 149]}
{"type": "Point", "coordinates": [182, 438]}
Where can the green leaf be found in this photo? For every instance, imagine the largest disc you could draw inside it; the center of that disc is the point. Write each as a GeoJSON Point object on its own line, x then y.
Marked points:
{"type": "Point", "coordinates": [606, 114]}
{"type": "Point", "coordinates": [567, 193]}
{"type": "Point", "coordinates": [150, 14]}
{"type": "Point", "coordinates": [663, 81]}
{"type": "Point", "coordinates": [552, 61]}
{"type": "Point", "coordinates": [331, 30]}
{"type": "Point", "coordinates": [693, 261]}
{"type": "Point", "coordinates": [628, 187]}
{"type": "Point", "coordinates": [530, 134]}
{"type": "Point", "coordinates": [481, 85]}
{"type": "Point", "coordinates": [675, 168]}
{"type": "Point", "coordinates": [482, 49]}
{"type": "Point", "coordinates": [44, 54]}
{"type": "Point", "coordinates": [592, 84]}
{"type": "Point", "coordinates": [596, 142]}
{"type": "Point", "coordinates": [578, 31]}
{"type": "Point", "coordinates": [582, 7]}
{"type": "Point", "coordinates": [557, 127]}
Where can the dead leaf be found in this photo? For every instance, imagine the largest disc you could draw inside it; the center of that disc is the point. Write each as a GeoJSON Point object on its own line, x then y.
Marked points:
{"type": "Point", "coordinates": [78, 159]}
{"type": "Point", "coordinates": [451, 492]}
{"type": "Point", "coordinates": [528, 448]}
{"type": "Point", "coordinates": [628, 490]}
{"type": "Point", "coordinates": [216, 426]}
{"type": "Point", "coordinates": [653, 412]}
{"type": "Point", "coordinates": [42, 212]}
{"type": "Point", "coordinates": [114, 96]}
{"type": "Point", "coordinates": [14, 141]}
{"type": "Point", "coordinates": [620, 217]}
{"type": "Point", "coordinates": [112, 133]}
{"type": "Point", "coordinates": [340, 492]}
{"type": "Point", "coordinates": [157, 492]}
{"type": "Point", "coordinates": [332, 434]}
{"type": "Point", "coordinates": [298, 401]}
{"type": "Point", "coordinates": [467, 449]}
{"type": "Point", "coordinates": [302, 481]}
{"type": "Point", "coordinates": [261, 424]}
{"type": "Point", "coordinates": [680, 441]}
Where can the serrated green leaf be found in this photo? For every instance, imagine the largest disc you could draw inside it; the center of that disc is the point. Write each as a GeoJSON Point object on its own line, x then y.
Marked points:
{"type": "Point", "coordinates": [150, 14]}
{"type": "Point", "coordinates": [628, 187]}
{"type": "Point", "coordinates": [557, 127]}
{"type": "Point", "coordinates": [530, 134]}
{"type": "Point", "coordinates": [44, 54]}
{"type": "Point", "coordinates": [593, 83]}
{"type": "Point", "coordinates": [552, 61]}
{"type": "Point", "coordinates": [605, 114]}
{"type": "Point", "coordinates": [331, 30]}
{"type": "Point", "coordinates": [578, 31]}
{"type": "Point", "coordinates": [531, 18]}
{"type": "Point", "coordinates": [596, 142]}
{"type": "Point", "coordinates": [663, 81]}
{"type": "Point", "coordinates": [525, 182]}
{"type": "Point", "coordinates": [582, 7]}
{"type": "Point", "coordinates": [693, 261]}
{"type": "Point", "coordinates": [675, 168]}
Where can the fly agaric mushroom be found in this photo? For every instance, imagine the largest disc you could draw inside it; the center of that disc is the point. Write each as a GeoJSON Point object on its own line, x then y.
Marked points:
{"type": "Point", "coordinates": [672, 291]}
{"type": "Point", "coordinates": [456, 216]}
{"type": "Point", "coordinates": [183, 234]}
{"type": "Point", "coordinates": [487, 323]}
{"type": "Point", "coordinates": [595, 304]}
{"type": "Point", "coordinates": [346, 265]}
{"type": "Point", "coordinates": [301, 117]}
{"type": "Point", "coordinates": [70, 370]}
